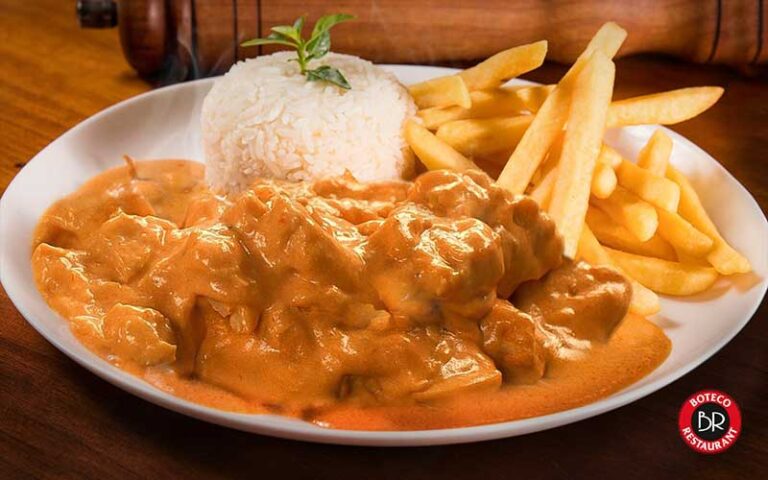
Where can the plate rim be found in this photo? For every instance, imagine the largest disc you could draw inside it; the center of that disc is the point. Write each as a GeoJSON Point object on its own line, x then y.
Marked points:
{"type": "Point", "coordinates": [286, 427]}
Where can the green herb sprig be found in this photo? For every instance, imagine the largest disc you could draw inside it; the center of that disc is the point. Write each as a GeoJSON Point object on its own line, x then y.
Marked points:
{"type": "Point", "coordinates": [317, 46]}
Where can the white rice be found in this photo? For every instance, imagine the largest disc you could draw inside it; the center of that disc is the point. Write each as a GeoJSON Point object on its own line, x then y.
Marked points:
{"type": "Point", "coordinates": [264, 119]}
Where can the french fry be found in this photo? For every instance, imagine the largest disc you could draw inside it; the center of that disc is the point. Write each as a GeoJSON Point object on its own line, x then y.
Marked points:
{"type": "Point", "coordinates": [610, 156]}
{"type": "Point", "coordinates": [683, 257]}
{"type": "Point", "coordinates": [542, 192]}
{"type": "Point", "coordinates": [614, 235]}
{"type": "Point", "coordinates": [581, 147]}
{"type": "Point", "coordinates": [551, 117]}
{"type": "Point", "coordinates": [441, 92]}
{"type": "Point", "coordinates": [637, 215]}
{"type": "Point", "coordinates": [433, 117]}
{"type": "Point", "coordinates": [536, 141]}
{"type": "Point", "coordinates": [507, 64]}
{"type": "Point", "coordinates": [644, 302]}
{"type": "Point", "coordinates": [550, 161]}
{"type": "Point", "coordinates": [654, 156]}
{"type": "Point", "coordinates": [534, 97]}
{"type": "Point", "coordinates": [433, 152]}
{"type": "Point", "coordinates": [484, 137]}
{"type": "Point", "coordinates": [604, 179]}
{"type": "Point", "coordinates": [670, 278]}
{"type": "Point", "coordinates": [658, 191]}
{"type": "Point", "coordinates": [608, 40]}
{"type": "Point", "coordinates": [665, 108]}
{"type": "Point", "coordinates": [498, 102]}
{"type": "Point", "coordinates": [682, 235]}
{"type": "Point", "coordinates": [723, 257]}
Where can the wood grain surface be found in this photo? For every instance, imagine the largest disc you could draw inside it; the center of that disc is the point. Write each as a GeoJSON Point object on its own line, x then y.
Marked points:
{"type": "Point", "coordinates": [59, 421]}
{"type": "Point", "coordinates": [728, 32]}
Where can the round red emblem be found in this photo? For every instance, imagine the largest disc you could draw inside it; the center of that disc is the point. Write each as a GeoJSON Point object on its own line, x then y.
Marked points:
{"type": "Point", "coordinates": [710, 421]}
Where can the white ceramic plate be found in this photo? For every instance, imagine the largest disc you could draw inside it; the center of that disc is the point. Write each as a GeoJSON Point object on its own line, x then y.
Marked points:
{"type": "Point", "coordinates": [164, 123]}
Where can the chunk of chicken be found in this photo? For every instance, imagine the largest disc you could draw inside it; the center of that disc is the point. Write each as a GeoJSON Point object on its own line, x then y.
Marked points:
{"type": "Point", "coordinates": [204, 210]}
{"type": "Point", "coordinates": [423, 364]}
{"type": "Point", "coordinates": [61, 278]}
{"type": "Point", "coordinates": [528, 237]}
{"type": "Point", "coordinates": [462, 368]}
{"type": "Point", "coordinates": [124, 245]}
{"type": "Point", "coordinates": [423, 267]}
{"type": "Point", "coordinates": [140, 335]}
{"type": "Point", "coordinates": [509, 337]}
{"type": "Point", "coordinates": [346, 187]}
{"type": "Point", "coordinates": [589, 301]}
{"type": "Point", "coordinates": [277, 238]}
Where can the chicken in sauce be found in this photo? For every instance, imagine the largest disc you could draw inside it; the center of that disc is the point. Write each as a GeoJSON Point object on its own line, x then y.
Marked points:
{"type": "Point", "coordinates": [440, 302]}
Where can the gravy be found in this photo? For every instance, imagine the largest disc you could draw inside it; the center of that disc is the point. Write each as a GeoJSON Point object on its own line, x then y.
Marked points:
{"type": "Point", "coordinates": [438, 303]}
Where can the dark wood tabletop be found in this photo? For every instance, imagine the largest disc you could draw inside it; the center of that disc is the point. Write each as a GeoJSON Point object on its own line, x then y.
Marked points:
{"type": "Point", "coordinates": [59, 421]}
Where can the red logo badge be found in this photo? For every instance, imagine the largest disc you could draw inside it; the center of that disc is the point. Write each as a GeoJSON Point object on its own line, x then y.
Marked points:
{"type": "Point", "coordinates": [710, 421]}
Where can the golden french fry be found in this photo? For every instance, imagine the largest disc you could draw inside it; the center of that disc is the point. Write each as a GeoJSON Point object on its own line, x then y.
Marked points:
{"type": "Point", "coordinates": [441, 92]}
{"type": "Point", "coordinates": [484, 137]}
{"type": "Point", "coordinates": [614, 235]}
{"type": "Point", "coordinates": [608, 40]}
{"type": "Point", "coordinates": [542, 192]}
{"type": "Point", "coordinates": [433, 117]}
{"type": "Point", "coordinates": [682, 235]}
{"type": "Point", "coordinates": [663, 276]}
{"type": "Point", "coordinates": [665, 108]}
{"type": "Point", "coordinates": [551, 117]}
{"type": "Point", "coordinates": [590, 249]}
{"type": "Point", "coordinates": [654, 156]}
{"type": "Point", "coordinates": [550, 161]}
{"type": "Point", "coordinates": [498, 102]}
{"type": "Point", "coordinates": [497, 69]}
{"type": "Point", "coordinates": [723, 257]}
{"type": "Point", "coordinates": [433, 152]}
{"type": "Point", "coordinates": [644, 301]}
{"type": "Point", "coordinates": [683, 257]}
{"type": "Point", "coordinates": [533, 97]}
{"type": "Point", "coordinates": [604, 180]}
{"type": "Point", "coordinates": [658, 191]}
{"type": "Point", "coordinates": [536, 141]}
{"type": "Point", "coordinates": [637, 215]}
{"type": "Point", "coordinates": [610, 156]}
{"type": "Point", "coordinates": [581, 146]}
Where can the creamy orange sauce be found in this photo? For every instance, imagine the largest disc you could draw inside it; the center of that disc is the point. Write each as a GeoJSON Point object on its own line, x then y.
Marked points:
{"type": "Point", "coordinates": [437, 303]}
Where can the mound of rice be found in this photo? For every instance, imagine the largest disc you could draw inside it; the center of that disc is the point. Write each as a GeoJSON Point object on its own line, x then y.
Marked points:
{"type": "Point", "coordinates": [264, 119]}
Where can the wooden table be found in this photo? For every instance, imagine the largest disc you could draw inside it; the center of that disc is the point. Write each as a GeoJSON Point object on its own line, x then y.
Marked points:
{"type": "Point", "coordinates": [57, 420]}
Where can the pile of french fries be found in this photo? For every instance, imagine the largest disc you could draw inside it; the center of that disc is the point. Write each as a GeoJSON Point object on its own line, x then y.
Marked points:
{"type": "Point", "coordinates": [643, 218]}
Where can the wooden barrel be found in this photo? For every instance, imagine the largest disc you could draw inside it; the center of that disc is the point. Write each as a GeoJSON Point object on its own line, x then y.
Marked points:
{"type": "Point", "coordinates": [180, 39]}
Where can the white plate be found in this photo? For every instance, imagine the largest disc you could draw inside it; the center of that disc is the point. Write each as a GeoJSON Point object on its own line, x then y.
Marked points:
{"type": "Point", "coordinates": [164, 123]}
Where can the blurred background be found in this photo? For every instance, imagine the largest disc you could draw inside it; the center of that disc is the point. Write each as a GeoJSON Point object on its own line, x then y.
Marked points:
{"type": "Point", "coordinates": [172, 40]}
